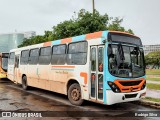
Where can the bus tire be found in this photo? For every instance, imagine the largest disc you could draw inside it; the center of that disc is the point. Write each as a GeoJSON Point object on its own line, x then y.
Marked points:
{"type": "Point", "coordinates": [24, 83]}
{"type": "Point", "coordinates": [74, 94]}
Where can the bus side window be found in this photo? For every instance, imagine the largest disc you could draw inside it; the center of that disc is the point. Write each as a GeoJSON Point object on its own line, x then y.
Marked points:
{"type": "Point", "coordinates": [77, 53]}
{"type": "Point", "coordinates": [33, 56]}
{"type": "Point", "coordinates": [24, 57]}
{"type": "Point", "coordinates": [58, 55]}
{"type": "Point", "coordinates": [11, 58]}
{"type": "Point", "coordinates": [45, 56]}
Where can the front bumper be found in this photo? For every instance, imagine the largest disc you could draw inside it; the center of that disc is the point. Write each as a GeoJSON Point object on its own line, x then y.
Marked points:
{"type": "Point", "coordinates": [113, 98]}
{"type": "Point", "coordinates": [3, 76]}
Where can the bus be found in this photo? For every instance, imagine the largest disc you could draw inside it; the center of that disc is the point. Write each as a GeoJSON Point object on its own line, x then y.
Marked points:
{"type": "Point", "coordinates": [105, 67]}
{"type": "Point", "coordinates": [3, 65]}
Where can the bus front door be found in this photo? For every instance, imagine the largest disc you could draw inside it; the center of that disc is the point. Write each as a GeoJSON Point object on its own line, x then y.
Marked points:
{"type": "Point", "coordinates": [16, 69]}
{"type": "Point", "coordinates": [96, 74]}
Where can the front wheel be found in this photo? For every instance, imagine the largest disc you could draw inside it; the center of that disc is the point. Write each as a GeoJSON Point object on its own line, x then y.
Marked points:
{"type": "Point", "coordinates": [24, 83]}
{"type": "Point", "coordinates": [74, 94]}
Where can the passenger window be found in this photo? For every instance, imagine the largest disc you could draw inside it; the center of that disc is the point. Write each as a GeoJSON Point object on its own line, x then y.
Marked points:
{"type": "Point", "coordinates": [58, 55]}
{"type": "Point", "coordinates": [24, 57]}
{"type": "Point", "coordinates": [11, 58]}
{"type": "Point", "coordinates": [33, 57]}
{"type": "Point", "coordinates": [45, 56]}
{"type": "Point", "coordinates": [77, 53]}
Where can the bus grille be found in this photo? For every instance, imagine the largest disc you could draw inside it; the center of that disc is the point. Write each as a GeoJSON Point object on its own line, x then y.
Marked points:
{"type": "Point", "coordinates": [130, 83]}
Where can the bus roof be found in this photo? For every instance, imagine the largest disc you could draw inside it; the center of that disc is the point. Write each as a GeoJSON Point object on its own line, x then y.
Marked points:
{"type": "Point", "coordinates": [119, 32]}
{"type": "Point", "coordinates": [100, 34]}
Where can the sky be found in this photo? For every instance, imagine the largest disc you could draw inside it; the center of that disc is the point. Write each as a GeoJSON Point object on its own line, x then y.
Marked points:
{"type": "Point", "coordinates": [142, 16]}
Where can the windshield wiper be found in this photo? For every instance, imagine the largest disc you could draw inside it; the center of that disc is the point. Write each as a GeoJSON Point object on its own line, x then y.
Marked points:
{"type": "Point", "coordinates": [121, 52]}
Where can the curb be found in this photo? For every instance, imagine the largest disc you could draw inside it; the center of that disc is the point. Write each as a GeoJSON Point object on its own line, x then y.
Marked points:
{"type": "Point", "coordinates": [148, 103]}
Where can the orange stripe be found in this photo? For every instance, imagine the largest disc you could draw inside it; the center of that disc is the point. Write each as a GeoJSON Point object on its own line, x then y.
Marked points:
{"type": "Point", "coordinates": [94, 35]}
{"type": "Point", "coordinates": [47, 44]}
{"type": "Point", "coordinates": [123, 33]}
{"type": "Point", "coordinates": [66, 40]}
{"type": "Point", "coordinates": [63, 66]}
{"type": "Point", "coordinates": [85, 76]}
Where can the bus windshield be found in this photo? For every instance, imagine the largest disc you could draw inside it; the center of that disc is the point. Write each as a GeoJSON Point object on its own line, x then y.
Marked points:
{"type": "Point", "coordinates": [130, 65]}
{"type": "Point", "coordinates": [5, 64]}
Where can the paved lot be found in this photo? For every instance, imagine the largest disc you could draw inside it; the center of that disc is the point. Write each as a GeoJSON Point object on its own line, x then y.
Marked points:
{"type": "Point", "coordinates": [13, 98]}
{"type": "Point", "coordinates": [153, 93]}
{"type": "Point", "coordinates": [153, 82]}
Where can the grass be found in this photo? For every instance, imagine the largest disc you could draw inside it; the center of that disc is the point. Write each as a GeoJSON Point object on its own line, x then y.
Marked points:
{"type": "Point", "coordinates": [152, 99]}
{"type": "Point", "coordinates": [153, 71]}
{"type": "Point", "coordinates": [153, 79]}
{"type": "Point", "coordinates": [153, 86]}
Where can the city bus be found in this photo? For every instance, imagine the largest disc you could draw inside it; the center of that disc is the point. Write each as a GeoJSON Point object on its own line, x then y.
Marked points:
{"type": "Point", "coordinates": [3, 65]}
{"type": "Point", "coordinates": [105, 67]}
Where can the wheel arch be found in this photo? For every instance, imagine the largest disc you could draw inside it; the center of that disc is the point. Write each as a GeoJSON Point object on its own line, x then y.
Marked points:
{"type": "Point", "coordinates": [22, 77]}
{"type": "Point", "coordinates": [69, 83]}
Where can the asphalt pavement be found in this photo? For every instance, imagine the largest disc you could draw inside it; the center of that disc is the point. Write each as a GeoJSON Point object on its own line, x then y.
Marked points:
{"type": "Point", "coordinates": [56, 106]}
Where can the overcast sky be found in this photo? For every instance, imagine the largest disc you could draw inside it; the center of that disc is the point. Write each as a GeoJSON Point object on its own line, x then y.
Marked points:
{"type": "Point", "coordinates": [142, 16]}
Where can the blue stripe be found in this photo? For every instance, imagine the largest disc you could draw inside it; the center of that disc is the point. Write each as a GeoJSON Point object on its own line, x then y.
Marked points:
{"type": "Point", "coordinates": [56, 42]}
{"type": "Point", "coordinates": [78, 38]}
{"type": "Point", "coordinates": [105, 34]}
{"type": "Point", "coordinates": [105, 72]}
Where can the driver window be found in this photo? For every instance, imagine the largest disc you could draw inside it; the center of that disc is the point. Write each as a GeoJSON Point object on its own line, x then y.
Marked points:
{"type": "Point", "coordinates": [112, 53]}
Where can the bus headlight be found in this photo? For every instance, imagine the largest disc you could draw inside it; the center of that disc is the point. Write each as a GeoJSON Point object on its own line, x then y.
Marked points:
{"type": "Point", "coordinates": [114, 87]}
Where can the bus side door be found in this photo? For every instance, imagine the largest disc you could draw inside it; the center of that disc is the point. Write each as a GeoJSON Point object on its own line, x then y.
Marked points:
{"type": "Point", "coordinates": [16, 69]}
{"type": "Point", "coordinates": [96, 73]}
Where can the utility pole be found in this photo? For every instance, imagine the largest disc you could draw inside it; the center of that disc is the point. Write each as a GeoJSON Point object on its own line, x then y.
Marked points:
{"type": "Point", "coordinates": [93, 7]}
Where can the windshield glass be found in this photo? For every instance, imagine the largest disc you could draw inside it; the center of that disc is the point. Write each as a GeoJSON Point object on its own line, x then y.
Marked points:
{"type": "Point", "coordinates": [132, 64]}
{"type": "Point", "coordinates": [5, 64]}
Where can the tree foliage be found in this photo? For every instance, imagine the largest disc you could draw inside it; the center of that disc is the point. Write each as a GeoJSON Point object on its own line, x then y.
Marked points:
{"type": "Point", "coordinates": [153, 58]}
{"type": "Point", "coordinates": [85, 22]}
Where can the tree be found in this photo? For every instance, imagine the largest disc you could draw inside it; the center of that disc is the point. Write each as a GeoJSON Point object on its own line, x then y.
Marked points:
{"type": "Point", "coordinates": [85, 22]}
{"type": "Point", "coordinates": [115, 25]}
{"type": "Point", "coordinates": [153, 58]}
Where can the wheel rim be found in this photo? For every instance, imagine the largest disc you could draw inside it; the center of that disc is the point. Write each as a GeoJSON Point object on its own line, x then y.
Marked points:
{"type": "Point", "coordinates": [75, 94]}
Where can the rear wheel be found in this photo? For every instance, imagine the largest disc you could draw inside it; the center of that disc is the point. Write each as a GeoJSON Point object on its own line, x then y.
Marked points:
{"type": "Point", "coordinates": [24, 83]}
{"type": "Point", "coordinates": [74, 94]}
